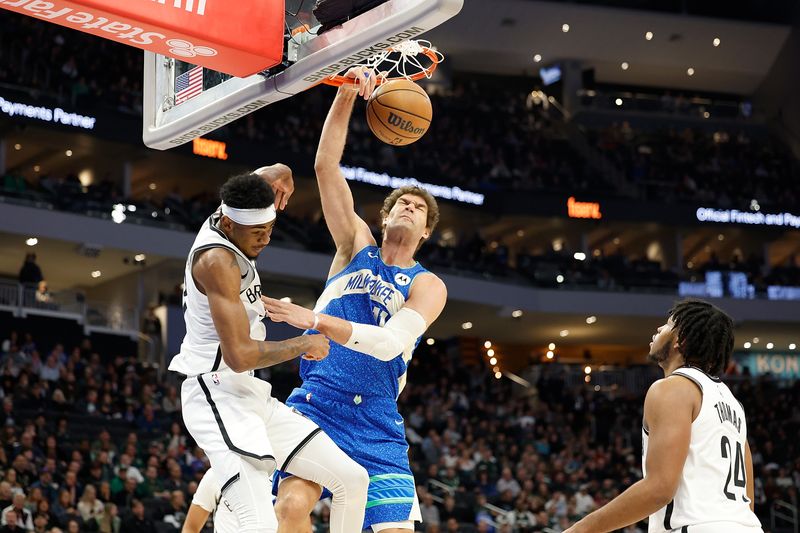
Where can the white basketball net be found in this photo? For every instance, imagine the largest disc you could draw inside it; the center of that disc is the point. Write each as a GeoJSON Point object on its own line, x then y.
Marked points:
{"type": "Point", "coordinates": [404, 60]}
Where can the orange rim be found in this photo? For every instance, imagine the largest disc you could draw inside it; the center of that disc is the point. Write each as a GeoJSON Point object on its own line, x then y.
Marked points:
{"type": "Point", "coordinates": [338, 80]}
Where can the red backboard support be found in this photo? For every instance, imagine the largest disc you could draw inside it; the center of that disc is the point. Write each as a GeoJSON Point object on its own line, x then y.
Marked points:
{"type": "Point", "coordinates": [239, 39]}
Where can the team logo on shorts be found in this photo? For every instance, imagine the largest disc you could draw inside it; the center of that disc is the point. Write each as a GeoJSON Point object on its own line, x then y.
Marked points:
{"type": "Point", "coordinates": [402, 279]}
{"type": "Point", "coordinates": [215, 378]}
{"type": "Point", "coordinates": [357, 399]}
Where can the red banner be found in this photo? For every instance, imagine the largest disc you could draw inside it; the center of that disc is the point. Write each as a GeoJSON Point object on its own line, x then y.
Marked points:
{"type": "Point", "coordinates": [239, 39]}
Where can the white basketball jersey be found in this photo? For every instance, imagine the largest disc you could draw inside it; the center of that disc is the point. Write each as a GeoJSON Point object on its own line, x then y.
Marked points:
{"type": "Point", "coordinates": [713, 484]}
{"type": "Point", "coordinates": [208, 497]}
{"type": "Point", "coordinates": [200, 350]}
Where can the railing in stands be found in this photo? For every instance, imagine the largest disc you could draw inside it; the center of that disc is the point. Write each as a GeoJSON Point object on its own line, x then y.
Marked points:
{"type": "Point", "coordinates": [633, 380]}
{"type": "Point", "coordinates": [492, 509]}
{"type": "Point", "coordinates": [102, 317]}
{"type": "Point", "coordinates": [10, 295]}
{"type": "Point", "coordinates": [784, 514]}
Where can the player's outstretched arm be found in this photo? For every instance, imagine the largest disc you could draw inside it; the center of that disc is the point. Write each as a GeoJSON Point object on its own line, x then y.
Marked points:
{"type": "Point", "coordinates": [217, 273]}
{"type": "Point", "coordinates": [195, 519]}
{"type": "Point", "coordinates": [668, 410]}
{"type": "Point", "coordinates": [424, 305]}
{"type": "Point", "coordinates": [349, 232]}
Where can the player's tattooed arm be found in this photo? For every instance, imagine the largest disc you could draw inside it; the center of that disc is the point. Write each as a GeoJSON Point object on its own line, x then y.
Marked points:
{"type": "Point", "coordinates": [216, 273]}
{"type": "Point", "coordinates": [312, 347]}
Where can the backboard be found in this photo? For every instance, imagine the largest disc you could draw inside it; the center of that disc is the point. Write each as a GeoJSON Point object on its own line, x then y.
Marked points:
{"type": "Point", "coordinates": [182, 102]}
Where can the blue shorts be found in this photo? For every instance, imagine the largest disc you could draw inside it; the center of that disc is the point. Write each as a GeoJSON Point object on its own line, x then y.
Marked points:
{"type": "Point", "coordinates": [371, 431]}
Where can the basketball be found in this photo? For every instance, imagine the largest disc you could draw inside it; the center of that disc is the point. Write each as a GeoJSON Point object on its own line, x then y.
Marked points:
{"type": "Point", "coordinates": [399, 112]}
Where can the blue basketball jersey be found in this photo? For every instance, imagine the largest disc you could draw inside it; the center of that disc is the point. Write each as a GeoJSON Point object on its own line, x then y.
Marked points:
{"type": "Point", "coordinates": [367, 291]}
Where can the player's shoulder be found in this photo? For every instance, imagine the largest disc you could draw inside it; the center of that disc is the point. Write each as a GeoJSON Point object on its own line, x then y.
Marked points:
{"type": "Point", "coordinates": [429, 282]}
{"type": "Point", "coordinates": [214, 257]}
{"type": "Point", "coordinates": [216, 267]}
{"type": "Point", "coordinates": [673, 389]}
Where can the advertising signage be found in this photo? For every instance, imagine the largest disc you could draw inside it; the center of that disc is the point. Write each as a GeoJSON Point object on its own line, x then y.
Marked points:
{"type": "Point", "coordinates": [46, 114]}
{"type": "Point", "coordinates": [785, 366]}
{"type": "Point", "coordinates": [753, 218]}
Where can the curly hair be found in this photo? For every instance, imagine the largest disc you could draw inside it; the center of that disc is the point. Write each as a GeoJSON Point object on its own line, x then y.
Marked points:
{"type": "Point", "coordinates": [705, 335]}
{"type": "Point", "coordinates": [247, 191]}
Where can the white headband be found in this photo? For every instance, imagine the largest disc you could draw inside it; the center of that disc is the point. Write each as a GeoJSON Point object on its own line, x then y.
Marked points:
{"type": "Point", "coordinates": [249, 217]}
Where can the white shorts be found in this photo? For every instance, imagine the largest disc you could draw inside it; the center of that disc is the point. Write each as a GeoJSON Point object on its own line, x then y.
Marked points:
{"type": "Point", "coordinates": [233, 416]}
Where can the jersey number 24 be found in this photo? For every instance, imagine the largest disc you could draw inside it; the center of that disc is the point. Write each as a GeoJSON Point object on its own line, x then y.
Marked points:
{"type": "Point", "coordinates": [735, 468]}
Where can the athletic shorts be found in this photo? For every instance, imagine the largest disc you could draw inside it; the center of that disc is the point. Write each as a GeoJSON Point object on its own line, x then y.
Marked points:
{"type": "Point", "coordinates": [233, 416]}
{"type": "Point", "coordinates": [371, 431]}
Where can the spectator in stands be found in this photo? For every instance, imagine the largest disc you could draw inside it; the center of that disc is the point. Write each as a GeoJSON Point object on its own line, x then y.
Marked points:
{"type": "Point", "coordinates": [147, 422]}
{"type": "Point", "coordinates": [71, 487]}
{"type": "Point", "coordinates": [23, 516]}
{"type": "Point", "coordinates": [125, 462]}
{"type": "Point", "coordinates": [90, 507]}
{"type": "Point", "coordinates": [10, 523]}
{"type": "Point", "coordinates": [6, 496]}
{"type": "Point", "coordinates": [63, 509]}
{"type": "Point", "coordinates": [42, 292]}
{"type": "Point", "coordinates": [52, 369]}
{"type": "Point", "coordinates": [40, 522]}
{"type": "Point", "coordinates": [12, 340]}
{"type": "Point", "coordinates": [152, 485]}
{"type": "Point", "coordinates": [136, 522]}
{"type": "Point", "coordinates": [171, 402]}
{"type": "Point", "coordinates": [151, 329]}
{"type": "Point", "coordinates": [508, 483]}
{"type": "Point", "coordinates": [176, 513]}
{"type": "Point", "coordinates": [430, 514]}
{"type": "Point", "coordinates": [109, 521]}
{"type": "Point", "coordinates": [30, 273]}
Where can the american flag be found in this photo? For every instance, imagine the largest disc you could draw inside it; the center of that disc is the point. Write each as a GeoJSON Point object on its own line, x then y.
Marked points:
{"type": "Point", "coordinates": [188, 85]}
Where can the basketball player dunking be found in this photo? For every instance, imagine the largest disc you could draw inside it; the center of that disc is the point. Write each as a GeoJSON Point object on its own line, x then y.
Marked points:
{"type": "Point", "coordinates": [698, 473]}
{"type": "Point", "coordinates": [231, 414]}
{"type": "Point", "coordinates": [377, 303]}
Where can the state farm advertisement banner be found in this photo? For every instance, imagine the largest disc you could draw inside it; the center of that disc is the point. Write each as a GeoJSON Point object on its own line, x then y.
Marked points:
{"type": "Point", "coordinates": [240, 41]}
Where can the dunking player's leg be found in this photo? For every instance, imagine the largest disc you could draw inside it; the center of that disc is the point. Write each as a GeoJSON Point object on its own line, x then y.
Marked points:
{"type": "Point", "coordinates": [322, 462]}
{"type": "Point", "coordinates": [296, 499]}
{"type": "Point", "coordinates": [303, 450]}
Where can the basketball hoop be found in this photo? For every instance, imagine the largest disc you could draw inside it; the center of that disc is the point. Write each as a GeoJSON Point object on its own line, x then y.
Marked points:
{"type": "Point", "coordinates": [410, 60]}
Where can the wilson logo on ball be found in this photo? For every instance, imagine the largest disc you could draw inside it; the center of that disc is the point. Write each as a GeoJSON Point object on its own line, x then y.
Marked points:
{"type": "Point", "coordinates": [405, 125]}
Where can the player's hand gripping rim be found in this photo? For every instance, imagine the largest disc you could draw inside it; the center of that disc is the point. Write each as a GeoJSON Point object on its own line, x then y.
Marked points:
{"type": "Point", "coordinates": [364, 80]}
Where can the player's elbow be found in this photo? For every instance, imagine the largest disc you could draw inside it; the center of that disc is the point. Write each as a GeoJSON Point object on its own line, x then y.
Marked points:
{"type": "Point", "coordinates": [387, 350]}
{"type": "Point", "coordinates": [236, 363]}
{"type": "Point", "coordinates": [323, 163]}
{"type": "Point", "coordinates": [662, 498]}
{"type": "Point", "coordinates": [662, 491]}
{"type": "Point", "coordinates": [237, 366]}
